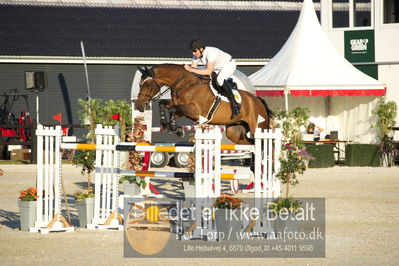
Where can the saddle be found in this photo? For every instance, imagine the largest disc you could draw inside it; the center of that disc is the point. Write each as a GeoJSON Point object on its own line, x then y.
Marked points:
{"type": "Point", "coordinates": [227, 92]}
{"type": "Point", "coordinates": [218, 88]}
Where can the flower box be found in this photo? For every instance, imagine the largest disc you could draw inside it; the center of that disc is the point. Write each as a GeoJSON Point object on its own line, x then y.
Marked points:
{"type": "Point", "coordinates": [285, 223]}
{"type": "Point", "coordinates": [131, 189]}
{"type": "Point", "coordinates": [27, 213]}
{"type": "Point", "coordinates": [189, 190]}
{"type": "Point", "coordinates": [228, 217]}
{"type": "Point", "coordinates": [85, 210]}
{"type": "Point", "coordinates": [228, 225]}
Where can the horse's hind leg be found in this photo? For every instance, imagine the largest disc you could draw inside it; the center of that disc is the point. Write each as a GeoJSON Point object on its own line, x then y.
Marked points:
{"type": "Point", "coordinates": [237, 134]}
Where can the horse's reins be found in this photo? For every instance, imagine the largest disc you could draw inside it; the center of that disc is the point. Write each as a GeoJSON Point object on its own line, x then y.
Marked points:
{"type": "Point", "coordinates": [149, 96]}
{"type": "Point", "coordinates": [172, 87]}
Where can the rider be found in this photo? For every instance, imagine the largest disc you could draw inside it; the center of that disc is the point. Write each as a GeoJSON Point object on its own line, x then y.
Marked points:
{"type": "Point", "coordinates": [218, 61]}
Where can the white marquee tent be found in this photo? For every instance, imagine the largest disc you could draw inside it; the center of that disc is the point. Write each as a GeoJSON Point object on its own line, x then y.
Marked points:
{"type": "Point", "coordinates": [309, 65]}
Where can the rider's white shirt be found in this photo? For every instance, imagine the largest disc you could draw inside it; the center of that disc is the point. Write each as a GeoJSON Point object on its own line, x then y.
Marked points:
{"type": "Point", "coordinates": [213, 54]}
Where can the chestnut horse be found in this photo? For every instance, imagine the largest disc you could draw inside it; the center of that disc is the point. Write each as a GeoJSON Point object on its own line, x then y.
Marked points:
{"type": "Point", "coordinates": [192, 97]}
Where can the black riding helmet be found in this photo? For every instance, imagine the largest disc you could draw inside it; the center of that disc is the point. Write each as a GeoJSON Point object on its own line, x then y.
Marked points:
{"type": "Point", "coordinates": [196, 44]}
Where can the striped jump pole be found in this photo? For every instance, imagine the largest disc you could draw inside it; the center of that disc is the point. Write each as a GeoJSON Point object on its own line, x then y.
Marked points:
{"type": "Point", "coordinates": [236, 147]}
{"type": "Point", "coordinates": [129, 147]}
{"type": "Point", "coordinates": [150, 147]}
{"type": "Point", "coordinates": [184, 128]}
{"type": "Point", "coordinates": [167, 174]}
{"type": "Point", "coordinates": [139, 147]}
{"type": "Point", "coordinates": [234, 152]}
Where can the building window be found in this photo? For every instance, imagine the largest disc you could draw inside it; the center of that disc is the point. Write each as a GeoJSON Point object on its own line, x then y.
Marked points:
{"type": "Point", "coordinates": [340, 9]}
{"type": "Point", "coordinates": [351, 13]}
{"type": "Point", "coordinates": [391, 11]}
{"type": "Point", "coordinates": [362, 13]}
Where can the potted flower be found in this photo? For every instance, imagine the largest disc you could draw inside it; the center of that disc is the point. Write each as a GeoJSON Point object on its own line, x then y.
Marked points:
{"type": "Point", "coordinates": [85, 204]}
{"type": "Point", "coordinates": [283, 214]}
{"type": "Point", "coordinates": [133, 184]}
{"type": "Point", "coordinates": [228, 216]}
{"type": "Point", "coordinates": [85, 200]}
{"type": "Point", "coordinates": [291, 164]}
{"type": "Point", "coordinates": [27, 207]}
{"type": "Point", "coordinates": [294, 156]}
{"type": "Point", "coordinates": [293, 161]}
{"type": "Point", "coordinates": [85, 159]}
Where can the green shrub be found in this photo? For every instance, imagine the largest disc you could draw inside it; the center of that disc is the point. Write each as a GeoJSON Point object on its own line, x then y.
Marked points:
{"type": "Point", "coordinates": [323, 154]}
{"type": "Point", "coordinates": [386, 113]}
{"type": "Point", "coordinates": [85, 159]}
{"type": "Point", "coordinates": [362, 155]}
{"type": "Point", "coordinates": [96, 111]}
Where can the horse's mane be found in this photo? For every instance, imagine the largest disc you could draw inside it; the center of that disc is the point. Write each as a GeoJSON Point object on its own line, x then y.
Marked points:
{"type": "Point", "coordinates": [181, 67]}
{"type": "Point", "coordinates": [170, 66]}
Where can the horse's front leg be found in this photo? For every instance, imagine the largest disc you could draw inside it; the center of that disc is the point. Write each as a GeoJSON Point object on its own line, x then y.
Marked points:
{"type": "Point", "coordinates": [172, 119]}
{"type": "Point", "coordinates": [164, 104]}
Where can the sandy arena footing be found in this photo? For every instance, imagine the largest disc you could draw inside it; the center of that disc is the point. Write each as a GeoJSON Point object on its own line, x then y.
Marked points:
{"type": "Point", "coordinates": [362, 210]}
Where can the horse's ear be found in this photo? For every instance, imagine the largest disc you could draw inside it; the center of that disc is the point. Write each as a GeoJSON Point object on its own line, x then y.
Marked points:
{"type": "Point", "coordinates": [141, 70]}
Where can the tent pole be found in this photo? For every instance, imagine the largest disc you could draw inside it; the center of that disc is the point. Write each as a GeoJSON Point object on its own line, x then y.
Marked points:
{"type": "Point", "coordinates": [286, 99]}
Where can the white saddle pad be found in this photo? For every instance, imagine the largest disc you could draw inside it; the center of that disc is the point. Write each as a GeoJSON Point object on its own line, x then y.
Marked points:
{"type": "Point", "coordinates": [236, 94]}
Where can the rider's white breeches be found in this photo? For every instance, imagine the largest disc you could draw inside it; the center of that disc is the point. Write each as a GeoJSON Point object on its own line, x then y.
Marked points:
{"type": "Point", "coordinates": [226, 71]}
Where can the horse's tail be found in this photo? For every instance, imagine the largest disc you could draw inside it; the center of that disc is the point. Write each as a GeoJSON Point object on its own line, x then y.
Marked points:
{"type": "Point", "coordinates": [268, 110]}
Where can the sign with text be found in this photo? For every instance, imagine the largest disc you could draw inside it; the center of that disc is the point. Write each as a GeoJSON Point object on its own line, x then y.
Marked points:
{"type": "Point", "coordinates": [359, 47]}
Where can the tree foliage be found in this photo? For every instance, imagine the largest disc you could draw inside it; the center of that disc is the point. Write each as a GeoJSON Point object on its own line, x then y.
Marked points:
{"type": "Point", "coordinates": [96, 111]}
{"type": "Point", "coordinates": [291, 159]}
{"type": "Point", "coordinates": [386, 112]}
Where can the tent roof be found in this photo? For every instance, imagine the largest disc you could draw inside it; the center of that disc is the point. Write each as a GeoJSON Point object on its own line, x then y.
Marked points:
{"type": "Point", "coordinates": [309, 65]}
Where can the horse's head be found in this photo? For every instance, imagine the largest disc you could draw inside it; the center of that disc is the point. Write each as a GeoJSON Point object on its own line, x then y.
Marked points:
{"type": "Point", "coordinates": [148, 88]}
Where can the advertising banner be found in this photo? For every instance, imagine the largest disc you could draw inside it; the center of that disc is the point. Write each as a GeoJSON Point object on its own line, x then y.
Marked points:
{"type": "Point", "coordinates": [359, 47]}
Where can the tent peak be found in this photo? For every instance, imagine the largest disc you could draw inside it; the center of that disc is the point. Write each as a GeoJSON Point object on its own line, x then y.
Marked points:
{"type": "Point", "coordinates": [309, 58]}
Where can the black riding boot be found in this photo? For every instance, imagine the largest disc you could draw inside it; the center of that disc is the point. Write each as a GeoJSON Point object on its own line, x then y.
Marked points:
{"type": "Point", "coordinates": [235, 106]}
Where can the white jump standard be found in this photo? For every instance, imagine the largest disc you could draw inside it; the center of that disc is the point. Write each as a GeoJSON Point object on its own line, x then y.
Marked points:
{"type": "Point", "coordinates": [208, 174]}
{"type": "Point", "coordinates": [49, 183]}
